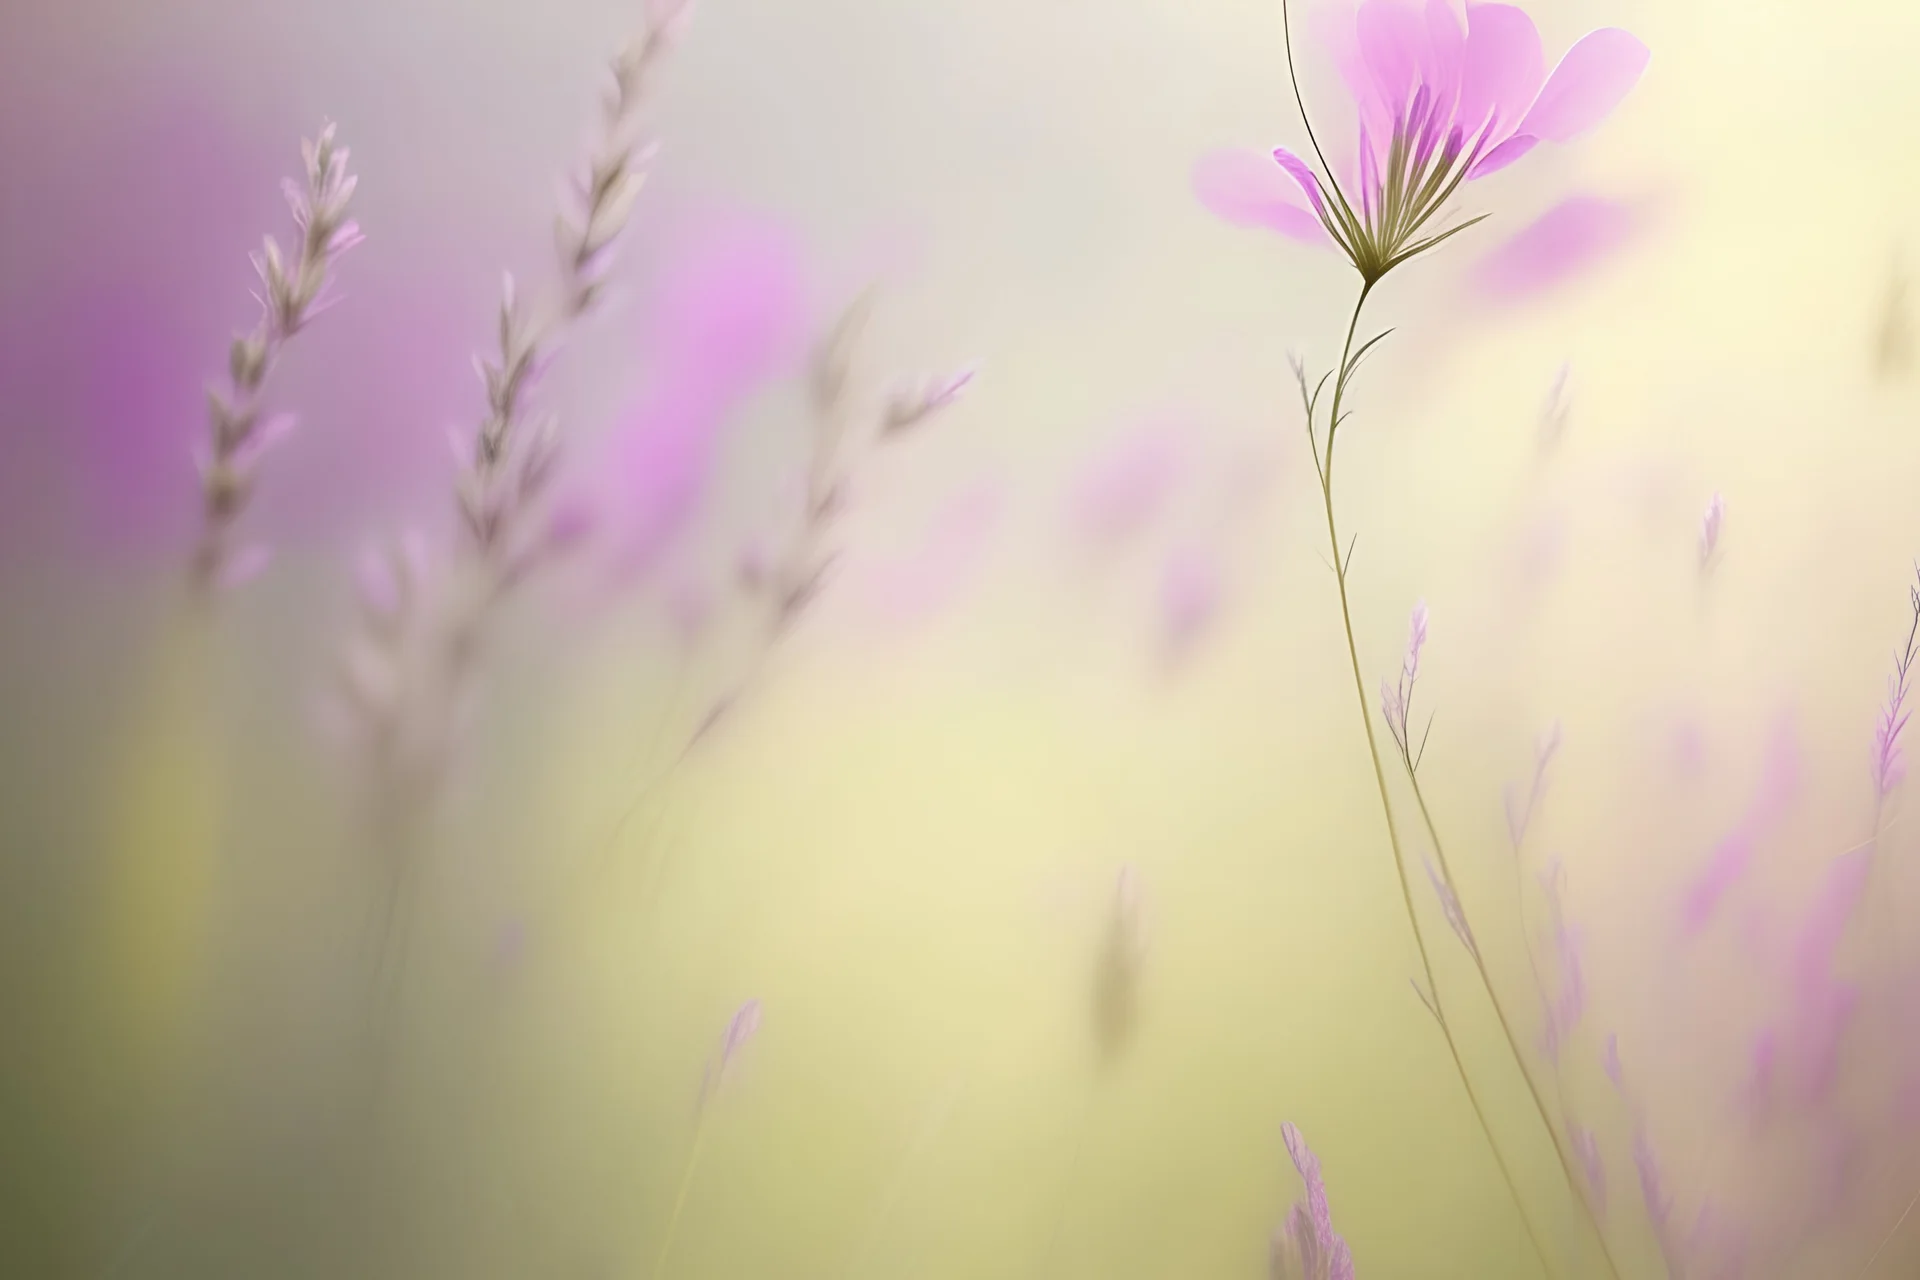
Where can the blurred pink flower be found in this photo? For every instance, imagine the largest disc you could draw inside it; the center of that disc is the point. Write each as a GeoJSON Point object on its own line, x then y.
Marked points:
{"type": "Point", "coordinates": [1435, 106]}
{"type": "Point", "coordinates": [1575, 235]}
{"type": "Point", "coordinates": [726, 319]}
{"type": "Point", "coordinates": [1190, 598]}
{"type": "Point", "coordinates": [1127, 486]}
{"type": "Point", "coordinates": [104, 344]}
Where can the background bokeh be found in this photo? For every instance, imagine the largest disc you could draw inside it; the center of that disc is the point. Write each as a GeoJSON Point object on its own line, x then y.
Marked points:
{"type": "Point", "coordinates": [904, 843]}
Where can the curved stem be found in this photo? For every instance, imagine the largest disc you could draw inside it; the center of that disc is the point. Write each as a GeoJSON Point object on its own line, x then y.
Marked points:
{"type": "Point", "coordinates": [1513, 1043]}
{"type": "Point", "coordinates": [1380, 782]}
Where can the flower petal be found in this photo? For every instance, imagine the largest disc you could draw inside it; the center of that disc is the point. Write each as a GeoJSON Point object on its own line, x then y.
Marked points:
{"type": "Point", "coordinates": [1393, 45]}
{"type": "Point", "coordinates": [1445, 57]}
{"type": "Point", "coordinates": [1597, 73]}
{"type": "Point", "coordinates": [1246, 189]}
{"type": "Point", "coordinates": [1501, 68]}
{"type": "Point", "coordinates": [1503, 155]}
{"type": "Point", "coordinates": [1301, 172]}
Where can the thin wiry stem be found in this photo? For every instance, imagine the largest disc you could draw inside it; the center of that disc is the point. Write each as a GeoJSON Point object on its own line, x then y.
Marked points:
{"type": "Point", "coordinates": [1348, 222]}
{"type": "Point", "coordinates": [1506, 1030]}
{"type": "Point", "coordinates": [1380, 782]}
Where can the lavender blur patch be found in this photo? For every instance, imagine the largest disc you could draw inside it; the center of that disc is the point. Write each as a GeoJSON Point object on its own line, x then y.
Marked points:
{"type": "Point", "coordinates": [125, 337]}
{"type": "Point", "coordinates": [1191, 595]}
{"type": "Point", "coordinates": [1125, 488]}
{"type": "Point", "coordinates": [1728, 862]}
{"type": "Point", "coordinates": [727, 320]}
{"type": "Point", "coordinates": [909, 589]}
{"type": "Point", "coordinates": [1574, 238]}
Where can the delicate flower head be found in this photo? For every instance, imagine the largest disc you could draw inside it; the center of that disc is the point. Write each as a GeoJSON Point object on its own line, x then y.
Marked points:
{"type": "Point", "coordinates": [1396, 700]}
{"type": "Point", "coordinates": [1416, 639]}
{"type": "Point", "coordinates": [1437, 106]}
{"type": "Point", "coordinates": [1455, 913]}
{"type": "Point", "coordinates": [1307, 1247]}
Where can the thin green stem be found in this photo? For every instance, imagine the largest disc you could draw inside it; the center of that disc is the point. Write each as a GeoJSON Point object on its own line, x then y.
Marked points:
{"type": "Point", "coordinates": [1506, 1030]}
{"type": "Point", "coordinates": [1380, 782]}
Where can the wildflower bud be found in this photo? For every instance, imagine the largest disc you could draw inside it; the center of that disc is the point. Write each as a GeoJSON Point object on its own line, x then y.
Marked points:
{"type": "Point", "coordinates": [342, 237]}
{"type": "Point", "coordinates": [609, 215]}
{"type": "Point", "coordinates": [246, 453]}
{"type": "Point", "coordinates": [1416, 640]}
{"type": "Point", "coordinates": [1455, 913]}
{"type": "Point", "coordinates": [230, 425]}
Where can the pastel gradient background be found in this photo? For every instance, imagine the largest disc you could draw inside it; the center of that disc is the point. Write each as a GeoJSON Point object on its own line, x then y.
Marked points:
{"type": "Point", "coordinates": [1081, 622]}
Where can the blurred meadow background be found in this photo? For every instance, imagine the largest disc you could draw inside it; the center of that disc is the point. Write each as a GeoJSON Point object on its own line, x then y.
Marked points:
{"type": "Point", "coordinates": [991, 918]}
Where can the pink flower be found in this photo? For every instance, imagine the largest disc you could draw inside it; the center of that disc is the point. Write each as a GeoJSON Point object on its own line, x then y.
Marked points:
{"type": "Point", "coordinates": [1436, 106]}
